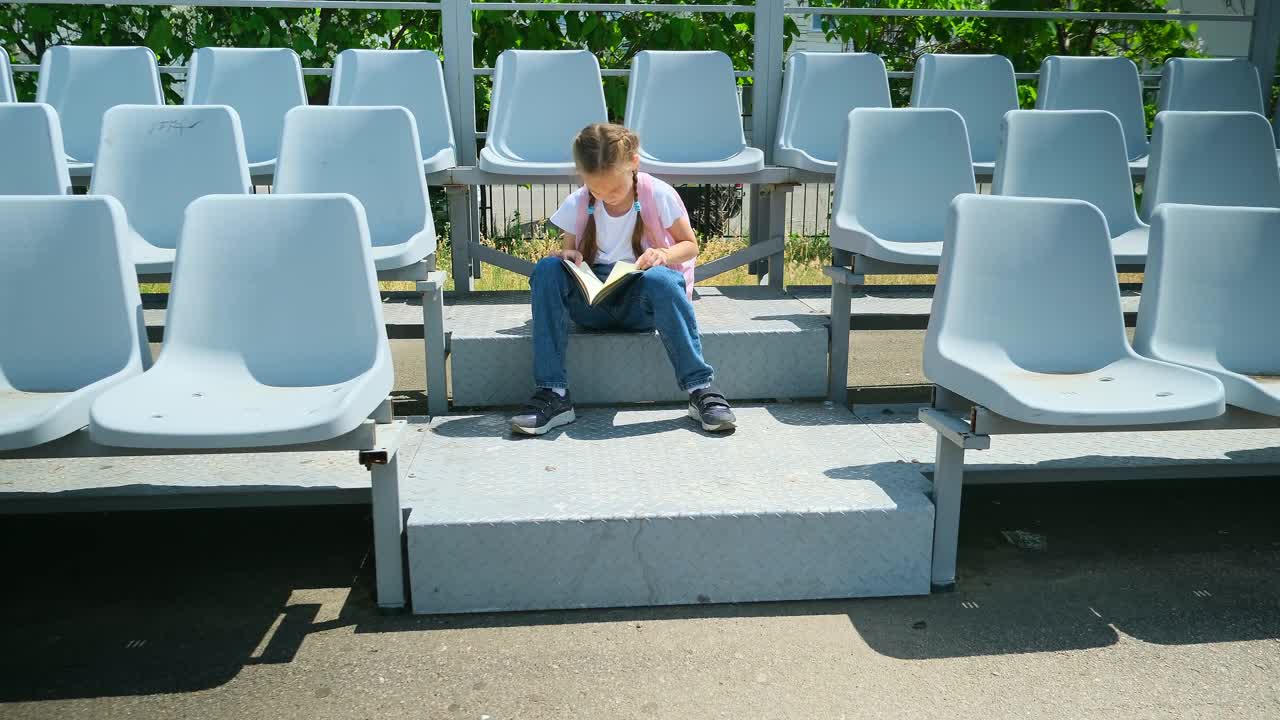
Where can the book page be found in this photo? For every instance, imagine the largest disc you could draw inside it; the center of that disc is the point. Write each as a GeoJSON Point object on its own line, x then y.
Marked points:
{"type": "Point", "coordinates": [620, 271]}
{"type": "Point", "coordinates": [618, 276]}
{"type": "Point", "coordinates": [587, 280]}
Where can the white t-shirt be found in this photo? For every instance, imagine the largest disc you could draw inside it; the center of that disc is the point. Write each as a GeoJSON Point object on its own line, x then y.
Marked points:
{"type": "Point", "coordinates": [613, 234]}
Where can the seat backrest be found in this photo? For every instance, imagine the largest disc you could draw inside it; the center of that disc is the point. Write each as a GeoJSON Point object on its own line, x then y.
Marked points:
{"type": "Point", "coordinates": [898, 171]}
{"type": "Point", "coordinates": [91, 328]}
{"type": "Point", "coordinates": [1030, 279]}
{"type": "Point", "coordinates": [83, 82]}
{"type": "Point", "coordinates": [664, 85]}
{"type": "Point", "coordinates": [1097, 83]}
{"type": "Point", "coordinates": [7, 93]}
{"type": "Point", "coordinates": [541, 100]}
{"type": "Point", "coordinates": [34, 160]}
{"type": "Point", "coordinates": [1211, 158]}
{"type": "Point", "coordinates": [281, 286]}
{"type": "Point", "coordinates": [1210, 289]}
{"type": "Point", "coordinates": [261, 84]}
{"type": "Point", "coordinates": [368, 152]}
{"type": "Point", "coordinates": [818, 92]}
{"type": "Point", "coordinates": [1221, 84]}
{"type": "Point", "coordinates": [412, 79]}
{"type": "Point", "coordinates": [156, 160]}
{"type": "Point", "coordinates": [1076, 154]}
{"type": "Point", "coordinates": [982, 88]}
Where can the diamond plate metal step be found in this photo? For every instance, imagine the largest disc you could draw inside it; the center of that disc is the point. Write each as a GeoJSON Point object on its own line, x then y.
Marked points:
{"type": "Point", "coordinates": [883, 307]}
{"type": "Point", "coordinates": [763, 344]}
{"type": "Point", "coordinates": [640, 507]}
{"type": "Point", "coordinates": [907, 307]}
{"type": "Point", "coordinates": [1076, 457]}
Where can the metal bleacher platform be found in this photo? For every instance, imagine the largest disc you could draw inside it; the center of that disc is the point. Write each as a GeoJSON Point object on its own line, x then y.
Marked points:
{"type": "Point", "coordinates": [599, 518]}
{"type": "Point", "coordinates": [762, 343]}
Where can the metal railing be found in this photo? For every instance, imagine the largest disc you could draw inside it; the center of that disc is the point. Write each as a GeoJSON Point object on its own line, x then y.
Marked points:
{"type": "Point", "coordinates": [768, 201]}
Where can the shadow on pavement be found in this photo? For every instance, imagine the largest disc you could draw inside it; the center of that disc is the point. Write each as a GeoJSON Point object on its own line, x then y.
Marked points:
{"type": "Point", "coordinates": [170, 602]}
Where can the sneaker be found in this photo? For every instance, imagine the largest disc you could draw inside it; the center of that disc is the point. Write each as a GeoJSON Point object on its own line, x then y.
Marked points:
{"type": "Point", "coordinates": [544, 411]}
{"type": "Point", "coordinates": [710, 408]}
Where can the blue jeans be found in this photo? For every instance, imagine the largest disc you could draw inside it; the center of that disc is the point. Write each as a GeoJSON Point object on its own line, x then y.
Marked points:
{"type": "Point", "coordinates": [656, 299]}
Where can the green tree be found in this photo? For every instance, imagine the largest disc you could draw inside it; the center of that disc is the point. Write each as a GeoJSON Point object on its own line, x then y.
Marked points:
{"type": "Point", "coordinates": [902, 40]}
{"type": "Point", "coordinates": [318, 35]}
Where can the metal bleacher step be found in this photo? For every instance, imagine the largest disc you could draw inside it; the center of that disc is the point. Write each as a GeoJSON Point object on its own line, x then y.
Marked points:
{"type": "Point", "coordinates": [763, 344]}
{"type": "Point", "coordinates": [881, 307]}
{"type": "Point", "coordinates": [907, 307]}
{"type": "Point", "coordinates": [637, 507]}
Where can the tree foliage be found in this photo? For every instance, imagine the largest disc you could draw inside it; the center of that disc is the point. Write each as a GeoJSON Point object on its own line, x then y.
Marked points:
{"type": "Point", "coordinates": [318, 35]}
{"type": "Point", "coordinates": [902, 40]}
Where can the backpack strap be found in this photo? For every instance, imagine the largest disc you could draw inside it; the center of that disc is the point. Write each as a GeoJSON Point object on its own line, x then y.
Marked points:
{"type": "Point", "coordinates": [584, 197]}
{"type": "Point", "coordinates": [655, 233]}
{"type": "Point", "coordinates": [653, 229]}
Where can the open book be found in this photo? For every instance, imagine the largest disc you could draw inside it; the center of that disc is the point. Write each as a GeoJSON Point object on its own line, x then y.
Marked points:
{"type": "Point", "coordinates": [594, 290]}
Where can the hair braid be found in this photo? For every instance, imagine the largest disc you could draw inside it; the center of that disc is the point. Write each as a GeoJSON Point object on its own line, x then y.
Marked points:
{"type": "Point", "coordinates": [598, 148]}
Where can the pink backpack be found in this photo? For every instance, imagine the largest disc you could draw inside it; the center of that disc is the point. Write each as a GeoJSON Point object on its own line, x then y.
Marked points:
{"type": "Point", "coordinates": [654, 234]}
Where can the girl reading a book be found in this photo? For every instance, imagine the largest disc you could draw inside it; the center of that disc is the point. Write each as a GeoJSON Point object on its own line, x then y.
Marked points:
{"type": "Point", "coordinates": [620, 215]}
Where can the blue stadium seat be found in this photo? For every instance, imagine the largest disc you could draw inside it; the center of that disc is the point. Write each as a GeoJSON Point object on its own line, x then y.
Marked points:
{"type": "Point", "coordinates": [1209, 298]}
{"type": "Point", "coordinates": [82, 82]}
{"type": "Point", "coordinates": [1213, 84]}
{"type": "Point", "coordinates": [1211, 158]}
{"type": "Point", "coordinates": [541, 99]}
{"type": "Point", "coordinates": [7, 93]}
{"type": "Point", "coordinates": [261, 84]}
{"type": "Point", "coordinates": [818, 92]}
{"type": "Point", "coordinates": [709, 141]}
{"type": "Point", "coordinates": [1098, 83]}
{"type": "Point", "coordinates": [87, 337]}
{"type": "Point", "coordinates": [274, 334]}
{"type": "Point", "coordinates": [982, 88]}
{"type": "Point", "coordinates": [899, 171]}
{"type": "Point", "coordinates": [412, 79]}
{"type": "Point", "coordinates": [1075, 154]}
{"type": "Point", "coordinates": [156, 161]}
{"type": "Point", "coordinates": [1027, 322]}
{"type": "Point", "coordinates": [34, 160]}
{"type": "Point", "coordinates": [370, 153]}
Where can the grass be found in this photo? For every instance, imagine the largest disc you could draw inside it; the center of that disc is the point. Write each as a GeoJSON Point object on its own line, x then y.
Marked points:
{"type": "Point", "coordinates": [805, 258]}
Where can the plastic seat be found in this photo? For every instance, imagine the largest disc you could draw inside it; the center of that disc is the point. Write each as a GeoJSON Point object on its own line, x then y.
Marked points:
{"type": "Point", "coordinates": [1098, 83]}
{"type": "Point", "coordinates": [709, 141]}
{"type": "Point", "coordinates": [1027, 322]}
{"type": "Point", "coordinates": [261, 84]}
{"type": "Point", "coordinates": [899, 171]}
{"type": "Point", "coordinates": [83, 82]}
{"type": "Point", "coordinates": [372, 154]}
{"type": "Point", "coordinates": [1211, 84]}
{"type": "Point", "coordinates": [86, 337]}
{"type": "Point", "coordinates": [1208, 294]}
{"type": "Point", "coordinates": [411, 79]}
{"type": "Point", "coordinates": [541, 99]}
{"type": "Point", "coordinates": [982, 88]}
{"type": "Point", "coordinates": [818, 92]}
{"type": "Point", "coordinates": [274, 334]}
{"type": "Point", "coordinates": [35, 163]}
{"type": "Point", "coordinates": [1075, 154]}
{"type": "Point", "coordinates": [1200, 84]}
{"type": "Point", "coordinates": [156, 160]}
{"type": "Point", "coordinates": [1211, 158]}
{"type": "Point", "coordinates": [7, 93]}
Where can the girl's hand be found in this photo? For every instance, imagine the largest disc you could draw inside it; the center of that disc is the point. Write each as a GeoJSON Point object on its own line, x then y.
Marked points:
{"type": "Point", "coordinates": [653, 257]}
{"type": "Point", "coordinates": [572, 256]}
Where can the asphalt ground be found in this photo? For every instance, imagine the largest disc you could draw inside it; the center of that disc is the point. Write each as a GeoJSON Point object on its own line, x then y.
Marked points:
{"type": "Point", "coordinates": [1097, 600]}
